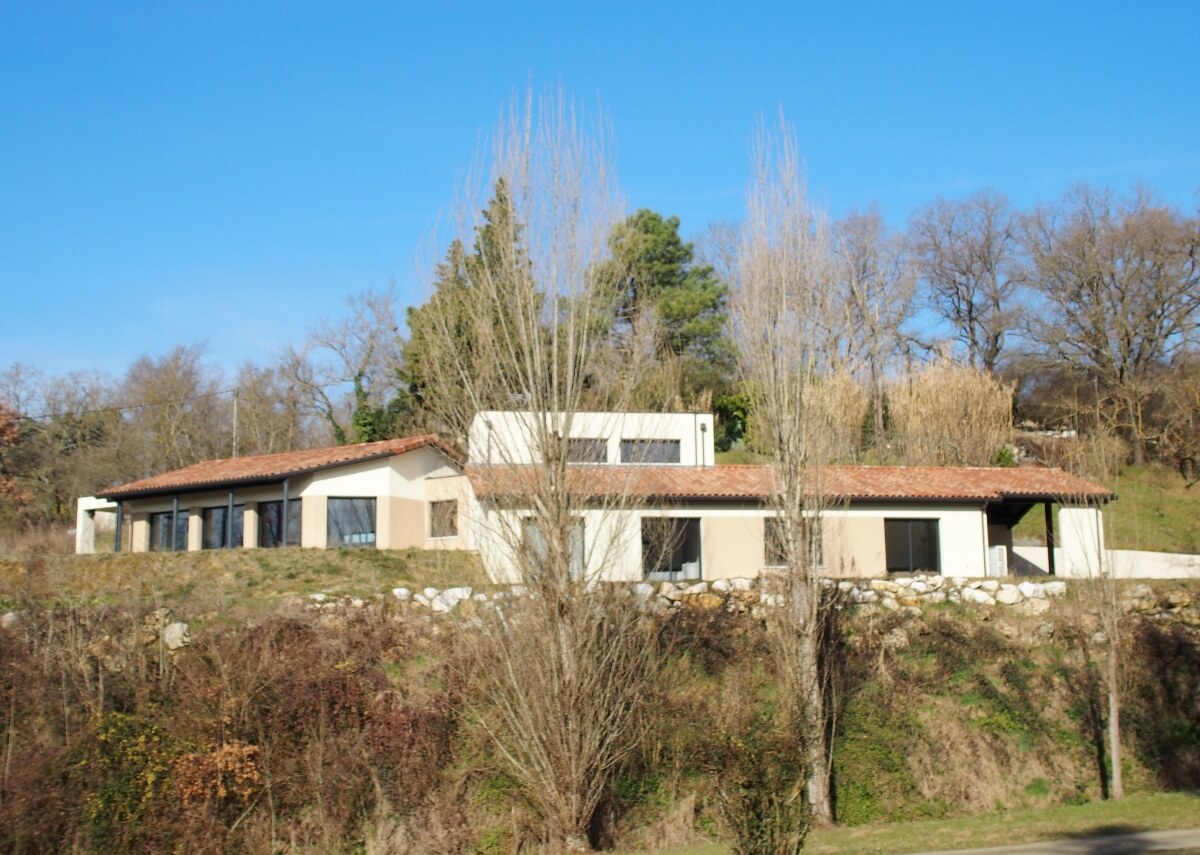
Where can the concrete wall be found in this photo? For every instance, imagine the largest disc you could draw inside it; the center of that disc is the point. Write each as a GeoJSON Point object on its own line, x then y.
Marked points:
{"type": "Point", "coordinates": [511, 437]}
{"type": "Point", "coordinates": [1126, 563]}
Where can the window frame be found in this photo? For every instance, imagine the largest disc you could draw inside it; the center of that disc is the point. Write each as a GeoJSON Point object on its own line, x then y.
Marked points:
{"type": "Point", "coordinates": [434, 532]}
{"type": "Point", "coordinates": [683, 526]}
{"type": "Point", "coordinates": [587, 450]}
{"type": "Point", "coordinates": [647, 457]}
{"type": "Point", "coordinates": [207, 515]}
{"type": "Point", "coordinates": [577, 539]}
{"type": "Point", "coordinates": [933, 530]}
{"type": "Point", "coordinates": [369, 539]}
{"type": "Point", "coordinates": [162, 519]}
{"type": "Point", "coordinates": [295, 512]}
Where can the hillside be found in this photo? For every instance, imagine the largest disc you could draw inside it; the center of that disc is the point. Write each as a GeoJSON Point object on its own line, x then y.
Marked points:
{"type": "Point", "coordinates": [287, 723]}
{"type": "Point", "coordinates": [1155, 511]}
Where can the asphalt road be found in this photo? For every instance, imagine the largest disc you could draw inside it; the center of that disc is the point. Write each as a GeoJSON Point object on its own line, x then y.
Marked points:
{"type": "Point", "coordinates": [1116, 844]}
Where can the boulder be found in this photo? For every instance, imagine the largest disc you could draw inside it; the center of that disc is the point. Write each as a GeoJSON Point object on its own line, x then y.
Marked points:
{"type": "Point", "coordinates": [9, 619]}
{"type": "Point", "coordinates": [697, 588]}
{"type": "Point", "coordinates": [721, 586]}
{"type": "Point", "coordinates": [643, 590]}
{"type": "Point", "coordinates": [175, 635]}
{"type": "Point", "coordinates": [884, 586]}
{"type": "Point", "coordinates": [934, 597]}
{"type": "Point", "coordinates": [989, 585]}
{"type": "Point", "coordinates": [889, 602]}
{"type": "Point", "coordinates": [1031, 591]}
{"type": "Point", "coordinates": [1009, 595]}
{"type": "Point", "coordinates": [741, 584]}
{"type": "Point", "coordinates": [706, 601]}
{"type": "Point", "coordinates": [402, 594]}
{"type": "Point", "coordinates": [1055, 589]}
{"type": "Point", "coordinates": [977, 597]}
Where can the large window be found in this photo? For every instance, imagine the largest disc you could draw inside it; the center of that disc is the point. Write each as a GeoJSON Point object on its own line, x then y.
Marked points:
{"type": "Point", "coordinates": [443, 518]}
{"type": "Point", "coordinates": [270, 523]}
{"type": "Point", "coordinates": [775, 549]}
{"type": "Point", "coordinates": [216, 529]}
{"type": "Point", "coordinates": [536, 551]}
{"type": "Point", "coordinates": [587, 450]}
{"type": "Point", "coordinates": [162, 537]}
{"type": "Point", "coordinates": [911, 546]}
{"type": "Point", "coordinates": [650, 451]}
{"type": "Point", "coordinates": [351, 522]}
{"type": "Point", "coordinates": [671, 548]}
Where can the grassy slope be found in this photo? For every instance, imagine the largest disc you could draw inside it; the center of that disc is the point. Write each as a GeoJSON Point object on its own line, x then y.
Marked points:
{"type": "Point", "coordinates": [230, 580]}
{"type": "Point", "coordinates": [1154, 511]}
{"type": "Point", "coordinates": [1156, 812]}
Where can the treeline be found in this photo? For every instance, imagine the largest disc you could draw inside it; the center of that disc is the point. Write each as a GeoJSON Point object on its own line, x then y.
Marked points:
{"type": "Point", "coordinates": [1081, 313]}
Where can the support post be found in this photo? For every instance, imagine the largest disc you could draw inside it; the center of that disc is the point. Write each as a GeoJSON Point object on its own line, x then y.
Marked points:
{"type": "Point", "coordinates": [1050, 539]}
{"type": "Point", "coordinates": [229, 523]}
{"type": "Point", "coordinates": [283, 510]}
{"type": "Point", "coordinates": [120, 523]}
{"type": "Point", "coordinates": [175, 523]}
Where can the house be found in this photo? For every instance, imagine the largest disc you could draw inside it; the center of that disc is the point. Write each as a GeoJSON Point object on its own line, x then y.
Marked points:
{"type": "Point", "coordinates": [648, 502]}
{"type": "Point", "coordinates": [390, 495]}
{"type": "Point", "coordinates": [640, 480]}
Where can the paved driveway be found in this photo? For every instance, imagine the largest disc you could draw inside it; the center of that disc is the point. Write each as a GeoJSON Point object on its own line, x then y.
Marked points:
{"type": "Point", "coordinates": [1116, 844]}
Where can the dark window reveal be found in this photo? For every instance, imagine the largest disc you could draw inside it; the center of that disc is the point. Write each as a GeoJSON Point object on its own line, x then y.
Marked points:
{"type": "Point", "coordinates": [536, 551]}
{"type": "Point", "coordinates": [650, 451]}
{"type": "Point", "coordinates": [161, 533]}
{"type": "Point", "coordinates": [351, 522]}
{"type": "Point", "coordinates": [270, 523]}
{"type": "Point", "coordinates": [911, 546]}
{"type": "Point", "coordinates": [670, 548]}
{"type": "Point", "coordinates": [587, 450]}
{"type": "Point", "coordinates": [215, 527]}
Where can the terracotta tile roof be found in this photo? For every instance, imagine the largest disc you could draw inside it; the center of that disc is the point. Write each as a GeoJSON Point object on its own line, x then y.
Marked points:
{"type": "Point", "coordinates": [268, 467]}
{"type": "Point", "coordinates": [740, 482]}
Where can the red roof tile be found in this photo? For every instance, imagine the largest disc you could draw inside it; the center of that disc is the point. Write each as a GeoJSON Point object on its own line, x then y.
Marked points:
{"type": "Point", "coordinates": [755, 482]}
{"type": "Point", "coordinates": [267, 467]}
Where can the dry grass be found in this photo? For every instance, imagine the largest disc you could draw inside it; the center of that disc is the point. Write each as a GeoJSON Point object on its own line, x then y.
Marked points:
{"type": "Point", "coordinates": [229, 580]}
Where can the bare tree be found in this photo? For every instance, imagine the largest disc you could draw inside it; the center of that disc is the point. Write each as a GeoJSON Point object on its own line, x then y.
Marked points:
{"type": "Point", "coordinates": [970, 262]}
{"type": "Point", "coordinates": [786, 327]}
{"type": "Point", "coordinates": [175, 414]}
{"type": "Point", "coordinates": [346, 368]}
{"type": "Point", "coordinates": [563, 669]}
{"type": "Point", "coordinates": [1119, 289]}
{"type": "Point", "coordinates": [877, 288]}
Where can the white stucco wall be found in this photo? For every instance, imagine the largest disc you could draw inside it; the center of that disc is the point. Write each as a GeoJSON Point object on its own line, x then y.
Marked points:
{"type": "Point", "coordinates": [613, 544]}
{"type": "Point", "coordinates": [510, 437]}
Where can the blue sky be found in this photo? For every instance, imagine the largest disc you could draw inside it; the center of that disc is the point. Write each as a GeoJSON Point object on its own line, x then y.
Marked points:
{"type": "Point", "coordinates": [227, 173]}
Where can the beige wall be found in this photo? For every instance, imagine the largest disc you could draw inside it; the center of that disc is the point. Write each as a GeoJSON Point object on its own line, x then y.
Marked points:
{"type": "Point", "coordinates": [443, 489]}
{"type": "Point", "coordinates": [313, 529]}
{"type": "Point", "coordinates": [854, 546]}
{"type": "Point", "coordinates": [139, 538]}
{"type": "Point", "coordinates": [250, 525]}
{"type": "Point", "coordinates": [731, 546]}
{"type": "Point", "coordinates": [399, 523]}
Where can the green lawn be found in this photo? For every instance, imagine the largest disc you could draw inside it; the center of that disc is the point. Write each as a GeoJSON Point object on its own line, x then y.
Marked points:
{"type": "Point", "coordinates": [1158, 812]}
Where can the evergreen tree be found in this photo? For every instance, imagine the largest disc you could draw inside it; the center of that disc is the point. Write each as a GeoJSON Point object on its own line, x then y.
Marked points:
{"type": "Point", "coordinates": [656, 275]}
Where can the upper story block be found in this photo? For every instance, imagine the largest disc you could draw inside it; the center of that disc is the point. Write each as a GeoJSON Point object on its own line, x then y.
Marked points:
{"type": "Point", "coordinates": [660, 439]}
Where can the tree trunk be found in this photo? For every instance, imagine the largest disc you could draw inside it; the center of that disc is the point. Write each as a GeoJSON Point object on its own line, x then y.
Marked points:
{"type": "Point", "coordinates": [1116, 788]}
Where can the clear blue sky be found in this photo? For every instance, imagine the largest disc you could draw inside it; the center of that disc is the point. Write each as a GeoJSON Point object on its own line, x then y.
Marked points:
{"type": "Point", "coordinates": [181, 172]}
